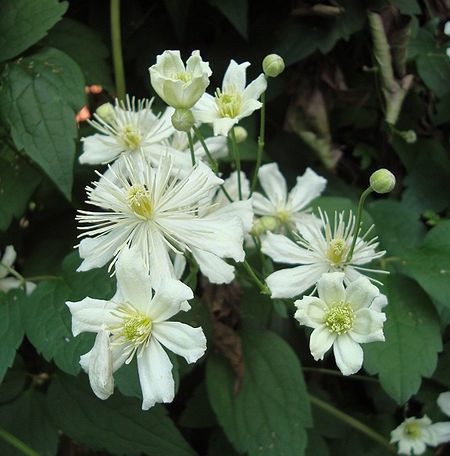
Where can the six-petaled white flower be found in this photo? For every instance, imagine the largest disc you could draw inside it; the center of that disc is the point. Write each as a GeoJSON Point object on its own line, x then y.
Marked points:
{"type": "Point", "coordinates": [178, 85]}
{"type": "Point", "coordinates": [318, 249]}
{"type": "Point", "coordinates": [233, 102]}
{"type": "Point", "coordinates": [134, 323]}
{"type": "Point", "coordinates": [342, 318]}
{"type": "Point", "coordinates": [125, 127]}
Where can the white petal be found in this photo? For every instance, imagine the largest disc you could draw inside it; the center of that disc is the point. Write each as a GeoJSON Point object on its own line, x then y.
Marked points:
{"type": "Point", "coordinates": [181, 339]}
{"type": "Point", "coordinates": [118, 356]}
{"type": "Point", "coordinates": [155, 375]}
{"type": "Point", "coordinates": [222, 125]}
{"type": "Point", "coordinates": [262, 206]}
{"type": "Point", "coordinates": [91, 315]}
{"type": "Point", "coordinates": [99, 149]}
{"type": "Point", "coordinates": [368, 326]}
{"type": "Point", "coordinates": [133, 280]}
{"type": "Point", "coordinates": [101, 367]}
{"type": "Point", "coordinates": [282, 250]}
{"type": "Point", "coordinates": [8, 259]}
{"type": "Point", "coordinates": [308, 187]}
{"type": "Point", "coordinates": [348, 354]}
{"type": "Point", "coordinates": [361, 293]}
{"type": "Point", "coordinates": [205, 110]}
{"type": "Point", "coordinates": [273, 184]}
{"type": "Point", "coordinates": [10, 283]}
{"type": "Point", "coordinates": [240, 209]}
{"type": "Point", "coordinates": [179, 265]}
{"type": "Point", "coordinates": [255, 88]}
{"type": "Point", "coordinates": [379, 303]}
{"type": "Point", "coordinates": [321, 341]}
{"type": "Point", "coordinates": [443, 401]}
{"type": "Point", "coordinates": [235, 77]}
{"type": "Point", "coordinates": [310, 311]}
{"type": "Point", "coordinates": [168, 300]}
{"type": "Point", "coordinates": [214, 268]}
{"type": "Point", "coordinates": [441, 431]}
{"type": "Point", "coordinates": [288, 283]}
{"type": "Point", "coordinates": [161, 267]}
{"type": "Point", "coordinates": [330, 288]}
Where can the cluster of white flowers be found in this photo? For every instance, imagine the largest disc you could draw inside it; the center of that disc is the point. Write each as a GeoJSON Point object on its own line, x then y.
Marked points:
{"type": "Point", "coordinates": [415, 434]}
{"type": "Point", "coordinates": [161, 205]}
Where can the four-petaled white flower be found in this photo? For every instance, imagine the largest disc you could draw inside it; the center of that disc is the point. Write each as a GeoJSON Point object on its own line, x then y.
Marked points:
{"type": "Point", "coordinates": [287, 209]}
{"type": "Point", "coordinates": [178, 85]}
{"type": "Point", "coordinates": [233, 102]}
{"type": "Point", "coordinates": [125, 127]}
{"type": "Point", "coordinates": [342, 318]}
{"type": "Point", "coordinates": [150, 209]}
{"type": "Point", "coordinates": [7, 281]}
{"type": "Point", "coordinates": [318, 249]}
{"type": "Point", "coordinates": [414, 434]}
{"type": "Point", "coordinates": [134, 322]}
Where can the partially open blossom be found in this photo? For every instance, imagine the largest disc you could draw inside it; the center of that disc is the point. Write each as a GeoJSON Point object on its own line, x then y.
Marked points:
{"type": "Point", "coordinates": [342, 318]}
{"type": "Point", "coordinates": [178, 85]}
{"type": "Point", "coordinates": [233, 101]}
{"type": "Point", "coordinates": [134, 323]}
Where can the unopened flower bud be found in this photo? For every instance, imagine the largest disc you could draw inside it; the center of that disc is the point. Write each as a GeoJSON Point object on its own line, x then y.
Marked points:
{"type": "Point", "coordinates": [265, 223]}
{"type": "Point", "coordinates": [382, 181]}
{"type": "Point", "coordinates": [183, 119]}
{"type": "Point", "coordinates": [240, 134]}
{"type": "Point", "coordinates": [273, 65]}
{"type": "Point", "coordinates": [106, 112]}
{"type": "Point", "coordinates": [409, 136]}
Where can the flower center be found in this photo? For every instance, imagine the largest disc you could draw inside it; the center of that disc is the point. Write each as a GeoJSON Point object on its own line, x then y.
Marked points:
{"type": "Point", "coordinates": [228, 104]}
{"type": "Point", "coordinates": [283, 216]}
{"type": "Point", "coordinates": [140, 202]}
{"type": "Point", "coordinates": [131, 137]}
{"type": "Point", "coordinates": [412, 430]}
{"type": "Point", "coordinates": [336, 251]}
{"type": "Point", "coordinates": [182, 76]}
{"type": "Point", "coordinates": [339, 318]}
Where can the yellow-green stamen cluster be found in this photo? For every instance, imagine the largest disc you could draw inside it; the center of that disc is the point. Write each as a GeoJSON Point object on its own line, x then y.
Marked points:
{"type": "Point", "coordinates": [139, 201]}
{"type": "Point", "coordinates": [336, 250]}
{"type": "Point", "coordinates": [412, 430]}
{"type": "Point", "coordinates": [283, 216]}
{"type": "Point", "coordinates": [131, 137]}
{"type": "Point", "coordinates": [228, 103]}
{"type": "Point", "coordinates": [339, 318]}
{"type": "Point", "coordinates": [183, 76]}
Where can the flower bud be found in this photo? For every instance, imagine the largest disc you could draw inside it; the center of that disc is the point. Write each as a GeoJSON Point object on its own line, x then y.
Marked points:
{"type": "Point", "coordinates": [273, 65]}
{"type": "Point", "coordinates": [265, 223]}
{"type": "Point", "coordinates": [382, 181]}
{"type": "Point", "coordinates": [240, 134]}
{"type": "Point", "coordinates": [183, 120]}
{"type": "Point", "coordinates": [106, 112]}
{"type": "Point", "coordinates": [409, 136]}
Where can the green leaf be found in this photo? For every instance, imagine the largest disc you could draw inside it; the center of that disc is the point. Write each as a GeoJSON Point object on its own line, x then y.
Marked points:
{"type": "Point", "coordinates": [407, 6]}
{"type": "Point", "coordinates": [27, 419]}
{"type": "Point", "coordinates": [398, 228]}
{"type": "Point", "coordinates": [18, 180]}
{"type": "Point", "coordinates": [39, 97]}
{"type": "Point", "coordinates": [24, 22]}
{"type": "Point", "coordinates": [236, 11]}
{"type": "Point", "coordinates": [430, 263]}
{"type": "Point", "coordinates": [11, 329]}
{"type": "Point", "coordinates": [269, 414]}
{"type": "Point", "coordinates": [434, 69]}
{"type": "Point", "coordinates": [198, 413]}
{"type": "Point", "coordinates": [85, 47]}
{"type": "Point", "coordinates": [412, 340]}
{"type": "Point", "coordinates": [116, 425]}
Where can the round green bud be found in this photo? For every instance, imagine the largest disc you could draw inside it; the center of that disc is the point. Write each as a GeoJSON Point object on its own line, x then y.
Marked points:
{"type": "Point", "coordinates": [273, 65]}
{"type": "Point", "coordinates": [183, 119]}
{"type": "Point", "coordinates": [240, 134]}
{"type": "Point", "coordinates": [409, 136]}
{"type": "Point", "coordinates": [382, 181]}
{"type": "Point", "coordinates": [106, 112]}
{"type": "Point", "coordinates": [265, 223]}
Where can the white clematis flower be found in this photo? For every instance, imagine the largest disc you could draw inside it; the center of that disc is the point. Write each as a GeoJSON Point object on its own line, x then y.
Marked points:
{"type": "Point", "coordinates": [287, 209]}
{"type": "Point", "coordinates": [150, 209]}
{"type": "Point", "coordinates": [9, 282]}
{"type": "Point", "coordinates": [178, 85]}
{"type": "Point", "coordinates": [125, 128]}
{"type": "Point", "coordinates": [414, 434]}
{"type": "Point", "coordinates": [134, 323]}
{"type": "Point", "coordinates": [318, 249]}
{"type": "Point", "coordinates": [341, 318]}
{"type": "Point", "coordinates": [233, 102]}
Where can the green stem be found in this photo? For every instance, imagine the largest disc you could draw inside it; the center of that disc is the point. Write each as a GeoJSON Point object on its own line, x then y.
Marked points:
{"type": "Point", "coordinates": [191, 147]}
{"type": "Point", "coordinates": [336, 373]}
{"type": "Point", "coordinates": [362, 199]}
{"type": "Point", "coordinates": [38, 278]}
{"type": "Point", "coordinates": [227, 195]}
{"type": "Point", "coordinates": [354, 423]}
{"type": "Point", "coordinates": [262, 125]}
{"type": "Point", "coordinates": [214, 165]}
{"type": "Point", "coordinates": [16, 443]}
{"type": "Point", "coordinates": [263, 288]}
{"type": "Point", "coordinates": [237, 160]}
{"type": "Point", "coordinates": [116, 41]}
